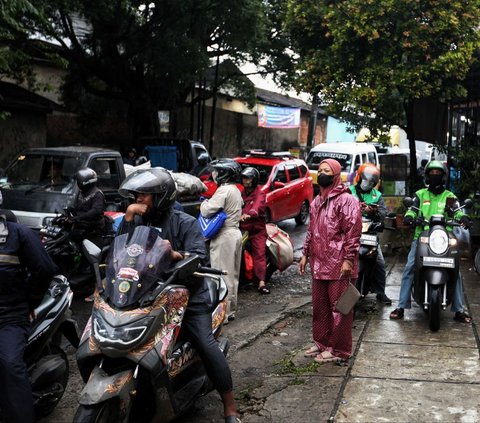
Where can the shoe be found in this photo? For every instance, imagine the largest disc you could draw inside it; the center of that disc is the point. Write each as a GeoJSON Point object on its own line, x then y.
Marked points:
{"type": "Point", "coordinates": [327, 357]}
{"type": "Point", "coordinates": [263, 290]}
{"type": "Point", "coordinates": [232, 419]}
{"type": "Point", "coordinates": [462, 317]}
{"type": "Point", "coordinates": [397, 314]}
{"type": "Point", "coordinates": [231, 317]}
{"type": "Point", "coordinates": [313, 351]}
{"type": "Point", "coordinates": [384, 299]}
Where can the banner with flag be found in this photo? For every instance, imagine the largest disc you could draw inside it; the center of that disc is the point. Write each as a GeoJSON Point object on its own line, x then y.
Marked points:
{"type": "Point", "coordinates": [278, 117]}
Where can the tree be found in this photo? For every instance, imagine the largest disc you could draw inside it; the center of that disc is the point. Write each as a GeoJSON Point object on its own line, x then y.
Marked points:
{"type": "Point", "coordinates": [148, 56]}
{"type": "Point", "coordinates": [369, 60]}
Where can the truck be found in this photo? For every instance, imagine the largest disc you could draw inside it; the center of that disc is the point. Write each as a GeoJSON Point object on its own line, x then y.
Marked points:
{"type": "Point", "coordinates": [40, 182]}
{"type": "Point", "coordinates": [176, 154]}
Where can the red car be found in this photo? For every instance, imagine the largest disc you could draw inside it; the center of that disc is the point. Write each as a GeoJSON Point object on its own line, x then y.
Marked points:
{"type": "Point", "coordinates": [285, 180]}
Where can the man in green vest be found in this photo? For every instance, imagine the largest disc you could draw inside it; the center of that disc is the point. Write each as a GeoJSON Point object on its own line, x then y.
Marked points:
{"type": "Point", "coordinates": [373, 207]}
{"type": "Point", "coordinates": [431, 200]}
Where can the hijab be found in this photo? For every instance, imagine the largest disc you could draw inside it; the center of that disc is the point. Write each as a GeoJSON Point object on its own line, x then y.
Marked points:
{"type": "Point", "coordinates": [336, 169]}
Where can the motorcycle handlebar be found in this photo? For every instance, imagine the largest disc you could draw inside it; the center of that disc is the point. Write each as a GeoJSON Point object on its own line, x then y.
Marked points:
{"type": "Point", "coordinates": [212, 271]}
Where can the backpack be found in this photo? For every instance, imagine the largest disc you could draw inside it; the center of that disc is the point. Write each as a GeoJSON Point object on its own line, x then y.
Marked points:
{"type": "Point", "coordinates": [279, 247]}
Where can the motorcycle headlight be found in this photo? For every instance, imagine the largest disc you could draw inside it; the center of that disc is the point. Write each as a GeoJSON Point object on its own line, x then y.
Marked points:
{"type": "Point", "coordinates": [125, 335]}
{"type": "Point", "coordinates": [438, 242]}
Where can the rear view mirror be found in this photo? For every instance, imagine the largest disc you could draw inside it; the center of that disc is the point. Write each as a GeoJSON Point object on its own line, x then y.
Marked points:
{"type": "Point", "coordinates": [407, 202]}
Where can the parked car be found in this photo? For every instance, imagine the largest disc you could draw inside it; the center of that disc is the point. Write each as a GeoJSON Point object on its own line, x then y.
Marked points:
{"type": "Point", "coordinates": [285, 180]}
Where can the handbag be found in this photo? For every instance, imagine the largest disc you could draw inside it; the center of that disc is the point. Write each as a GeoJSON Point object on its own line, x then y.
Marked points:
{"type": "Point", "coordinates": [211, 225]}
{"type": "Point", "coordinates": [348, 299]}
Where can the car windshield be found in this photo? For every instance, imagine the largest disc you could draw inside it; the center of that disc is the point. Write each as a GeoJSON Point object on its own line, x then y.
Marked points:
{"type": "Point", "coordinates": [136, 264]}
{"type": "Point", "coordinates": [316, 157]}
{"type": "Point", "coordinates": [264, 171]}
{"type": "Point", "coordinates": [37, 172]}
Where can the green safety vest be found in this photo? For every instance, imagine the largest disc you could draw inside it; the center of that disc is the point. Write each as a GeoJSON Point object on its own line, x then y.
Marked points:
{"type": "Point", "coordinates": [431, 204]}
{"type": "Point", "coordinates": [372, 197]}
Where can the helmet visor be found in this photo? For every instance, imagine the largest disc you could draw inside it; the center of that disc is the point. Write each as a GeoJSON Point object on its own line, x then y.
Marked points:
{"type": "Point", "coordinates": [143, 181]}
{"type": "Point", "coordinates": [369, 178]}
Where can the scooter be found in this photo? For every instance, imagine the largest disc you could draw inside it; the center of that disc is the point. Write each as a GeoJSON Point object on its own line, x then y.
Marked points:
{"type": "Point", "coordinates": [46, 360]}
{"type": "Point", "coordinates": [368, 252]}
{"type": "Point", "coordinates": [63, 244]}
{"type": "Point", "coordinates": [437, 263]}
{"type": "Point", "coordinates": [133, 356]}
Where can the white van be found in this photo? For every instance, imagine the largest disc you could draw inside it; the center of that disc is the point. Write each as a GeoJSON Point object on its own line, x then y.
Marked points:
{"type": "Point", "coordinates": [349, 154]}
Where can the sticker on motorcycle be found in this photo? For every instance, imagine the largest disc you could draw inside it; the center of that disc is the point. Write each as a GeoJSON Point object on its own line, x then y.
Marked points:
{"type": "Point", "coordinates": [134, 250]}
{"type": "Point", "coordinates": [124, 286]}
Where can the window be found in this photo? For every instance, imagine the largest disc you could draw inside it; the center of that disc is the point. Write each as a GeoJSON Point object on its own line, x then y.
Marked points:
{"type": "Point", "coordinates": [281, 175]}
{"type": "Point", "coordinates": [303, 169]}
{"type": "Point", "coordinates": [107, 173]}
{"type": "Point", "coordinates": [293, 171]}
{"type": "Point", "coordinates": [372, 158]}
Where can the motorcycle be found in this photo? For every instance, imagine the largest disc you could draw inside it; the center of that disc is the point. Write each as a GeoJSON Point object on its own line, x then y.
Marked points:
{"type": "Point", "coordinates": [46, 360]}
{"type": "Point", "coordinates": [368, 252]}
{"type": "Point", "coordinates": [437, 263]}
{"type": "Point", "coordinates": [63, 243]}
{"type": "Point", "coordinates": [133, 356]}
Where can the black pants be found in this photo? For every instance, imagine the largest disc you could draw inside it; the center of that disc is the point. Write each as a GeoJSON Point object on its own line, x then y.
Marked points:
{"type": "Point", "coordinates": [199, 329]}
{"type": "Point", "coordinates": [16, 399]}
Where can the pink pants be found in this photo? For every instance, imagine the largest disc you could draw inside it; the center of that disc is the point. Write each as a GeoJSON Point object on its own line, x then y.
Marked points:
{"type": "Point", "coordinates": [332, 331]}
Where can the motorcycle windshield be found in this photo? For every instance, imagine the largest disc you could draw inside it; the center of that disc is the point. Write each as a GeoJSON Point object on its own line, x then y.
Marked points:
{"type": "Point", "coordinates": [135, 264]}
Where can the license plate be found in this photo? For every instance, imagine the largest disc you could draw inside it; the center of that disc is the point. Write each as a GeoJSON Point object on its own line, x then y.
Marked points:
{"type": "Point", "coordinates": [439, 262]}
{"type": "Point", "coordinates": [368, 239]}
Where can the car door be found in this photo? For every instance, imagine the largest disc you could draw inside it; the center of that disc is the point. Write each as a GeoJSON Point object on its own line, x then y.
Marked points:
{"type": "Point", "coordinates": [295, 189]}
{"type": "Point", "coordinates": [109, 179]}
{"type": "Point", "coordinates": [277, 198]}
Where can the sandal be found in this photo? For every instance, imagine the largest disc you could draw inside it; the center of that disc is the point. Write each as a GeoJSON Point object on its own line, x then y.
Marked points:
{"type": "Point", "coordinates": [263, 290]}
{"type": "Point", "coordinates": [313, 351]}
{"type": "Point", "coordinates": [462, 317]}
{"type": "Point", "coordinates": [397, 314]}
{"type": "Point", "coordinates": [327, 357]}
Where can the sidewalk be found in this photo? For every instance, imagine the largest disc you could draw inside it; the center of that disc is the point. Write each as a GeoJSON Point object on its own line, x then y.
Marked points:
{"type": "Point", "coordinates": [403, 372]}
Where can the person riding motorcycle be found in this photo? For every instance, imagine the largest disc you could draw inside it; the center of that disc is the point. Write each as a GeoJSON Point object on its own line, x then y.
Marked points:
{"type": "Point", "coordinates": [154, 191]}
{"type": "Point", "coordinates": [434, 199]}
{"type": "Point", "coordinates": [26, 271]}
{"type": "Point", "coordinates": [253, 221]}
{"type": "Point", "coordinates": [373, 207]}
{"type": "Point", "coordinates": [88, 218]}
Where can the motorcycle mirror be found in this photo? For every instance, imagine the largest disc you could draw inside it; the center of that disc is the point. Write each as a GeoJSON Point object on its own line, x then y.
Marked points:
{"type": "Point", "coordinates": [468, 203]}
{"type": "Point", "coordinates": [407, 202]}
{"type": "Point", "coordinates": [91, 251]}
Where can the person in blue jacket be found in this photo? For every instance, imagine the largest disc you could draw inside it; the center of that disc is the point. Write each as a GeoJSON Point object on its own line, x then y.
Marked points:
{"type": "Point", "coordinates": [26, 271]}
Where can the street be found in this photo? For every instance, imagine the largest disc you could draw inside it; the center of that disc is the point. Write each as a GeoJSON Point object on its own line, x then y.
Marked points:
{"type": "Point", "coordinates": [400, 371]}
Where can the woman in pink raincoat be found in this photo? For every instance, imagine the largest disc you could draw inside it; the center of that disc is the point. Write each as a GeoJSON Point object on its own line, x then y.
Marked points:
{"type": "Point", "coordinates": [331, 246]}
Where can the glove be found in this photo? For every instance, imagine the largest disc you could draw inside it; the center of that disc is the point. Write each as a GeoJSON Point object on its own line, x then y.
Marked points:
{"type": "Point", "coordinates": [466, 221]}
{"type": "Point", "coordinates": [407, 220]}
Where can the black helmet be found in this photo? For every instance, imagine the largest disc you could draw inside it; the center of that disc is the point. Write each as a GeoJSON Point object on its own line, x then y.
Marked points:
{"type": "Point", "coordinates": [228, 170]}
{"type": "Point", "coordinates": [253, 174]}
{"type": "Point", "coordinates": [435, 164]}
{"type": "Point", "coordinates": [86, 178]}
{"type": "Point", "coordinates": [156, 181]}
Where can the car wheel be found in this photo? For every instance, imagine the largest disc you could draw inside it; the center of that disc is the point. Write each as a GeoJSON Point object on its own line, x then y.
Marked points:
{"type": "Point", "coordinates": [302, 217]}
{"type": "Point", "coordinates": [268, 216]}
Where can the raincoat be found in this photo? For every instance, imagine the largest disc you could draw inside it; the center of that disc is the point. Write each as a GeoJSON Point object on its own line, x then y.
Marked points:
{"type": "Point", "coordinates": [333, 234]}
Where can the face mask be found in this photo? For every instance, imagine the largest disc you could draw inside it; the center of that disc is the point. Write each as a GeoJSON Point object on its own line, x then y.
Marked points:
{"type": "Point", "coordinates": [325, 180]}
{"type": "Point", "coordinates": [366, 185]}
{"type": "Point", "coordinates": [435, 180]}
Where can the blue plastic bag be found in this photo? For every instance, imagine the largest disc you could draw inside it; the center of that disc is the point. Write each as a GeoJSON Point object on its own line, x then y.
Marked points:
{"type": "Point", "coordinates": [210, 226]}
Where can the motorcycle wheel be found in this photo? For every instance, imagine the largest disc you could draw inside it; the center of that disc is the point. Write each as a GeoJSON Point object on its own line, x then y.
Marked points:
{"type": "Point", "coordinates": [106, 412]}
{"type": "Point", "coordinates": [477, 261]}
{"type": "Point", "coordinates": [434, 308]}
{"type": "Point", "coordinates": [53, 395]}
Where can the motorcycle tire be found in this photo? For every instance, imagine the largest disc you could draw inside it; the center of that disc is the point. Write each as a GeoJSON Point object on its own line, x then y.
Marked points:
{"type": "Point", "coordinates": [477, 261]}
{"type": "Point", "coordinates": [434, 309]}
{"type": "Point", "coordinates": [106, 412]}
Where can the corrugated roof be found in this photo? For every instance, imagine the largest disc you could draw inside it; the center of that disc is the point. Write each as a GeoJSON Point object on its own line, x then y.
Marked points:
{"type": "Point", "coordinates": [277, 99]}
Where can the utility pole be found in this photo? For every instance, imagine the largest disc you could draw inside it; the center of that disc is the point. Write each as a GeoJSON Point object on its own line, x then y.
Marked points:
{"type": "Point", "coordinates": [312, 124]}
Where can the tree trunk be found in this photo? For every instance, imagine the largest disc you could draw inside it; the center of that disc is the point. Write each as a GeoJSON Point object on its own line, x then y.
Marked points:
{"type": "Point", "coordinates": [409, 113]}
